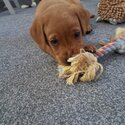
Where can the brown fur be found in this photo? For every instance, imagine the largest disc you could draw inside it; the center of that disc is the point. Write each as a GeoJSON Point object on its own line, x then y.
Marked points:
{"type": "Point", "coordinates": [60, 20]}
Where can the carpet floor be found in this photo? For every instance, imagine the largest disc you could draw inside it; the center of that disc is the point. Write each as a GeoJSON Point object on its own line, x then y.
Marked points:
{"type": "Point", "coordinates": [32, 94]}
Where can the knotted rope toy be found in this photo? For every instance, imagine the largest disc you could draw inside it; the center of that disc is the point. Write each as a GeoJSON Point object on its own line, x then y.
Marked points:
{"type": "Point", "coordinates": [85, 67]}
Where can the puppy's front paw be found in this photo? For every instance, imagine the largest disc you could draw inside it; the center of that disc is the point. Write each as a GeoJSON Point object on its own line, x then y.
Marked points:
{"type": "Point", "coordinates": [90, 48]}
{"type": "Point", "coordinates": [89, 29]}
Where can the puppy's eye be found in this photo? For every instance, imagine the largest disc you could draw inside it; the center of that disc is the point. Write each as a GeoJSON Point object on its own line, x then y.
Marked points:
{"type": "Point", "coordinates": [77, 34]}
{"type": "Point", "coordinates": [54, 42]}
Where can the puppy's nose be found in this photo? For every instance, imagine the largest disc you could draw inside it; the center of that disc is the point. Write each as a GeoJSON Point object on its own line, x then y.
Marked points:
{"type": "Point", "coordinates": [66, 62]}
{"type": "Point", "coordinates": [69, 54]}
{"type": "Point", "coordinates": [74, 52]}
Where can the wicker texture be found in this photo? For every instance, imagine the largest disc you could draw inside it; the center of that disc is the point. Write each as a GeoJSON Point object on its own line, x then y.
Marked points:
{"type": "Point", "coordinates": [112, 10]}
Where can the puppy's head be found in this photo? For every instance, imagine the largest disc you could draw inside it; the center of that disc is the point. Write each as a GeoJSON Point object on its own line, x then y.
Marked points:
{"type": "Point", "coordinates": [59, 31]}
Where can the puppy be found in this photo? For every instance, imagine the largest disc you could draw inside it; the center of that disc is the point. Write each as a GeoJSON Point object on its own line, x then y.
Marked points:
{"type": "Point", "coordinates": [59, 26]}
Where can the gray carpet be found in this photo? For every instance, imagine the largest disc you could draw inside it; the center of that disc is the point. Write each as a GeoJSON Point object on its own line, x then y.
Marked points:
{"type": "Point", "coordinates": [32, 94]}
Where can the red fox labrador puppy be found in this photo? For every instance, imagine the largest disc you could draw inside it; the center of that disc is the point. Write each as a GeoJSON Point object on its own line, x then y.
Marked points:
{"type": "Point", "coordinates": [59, 26]}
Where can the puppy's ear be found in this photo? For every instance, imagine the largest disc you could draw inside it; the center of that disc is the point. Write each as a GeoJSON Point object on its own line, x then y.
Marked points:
{"type": "Point", "coordinates": [38, 34]}
{"type": "Point", "coordinates": [84, 18]}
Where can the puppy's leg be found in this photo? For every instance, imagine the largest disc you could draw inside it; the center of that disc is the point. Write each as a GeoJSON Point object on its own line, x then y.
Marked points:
{"type": "Point", "coordinates": [89, 29]}
{"type": "Point", "coordinates": [90, 48]}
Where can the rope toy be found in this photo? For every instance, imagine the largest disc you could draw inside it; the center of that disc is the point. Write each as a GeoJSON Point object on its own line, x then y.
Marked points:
{"type": "Point", "coordinates": [85, 67]}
